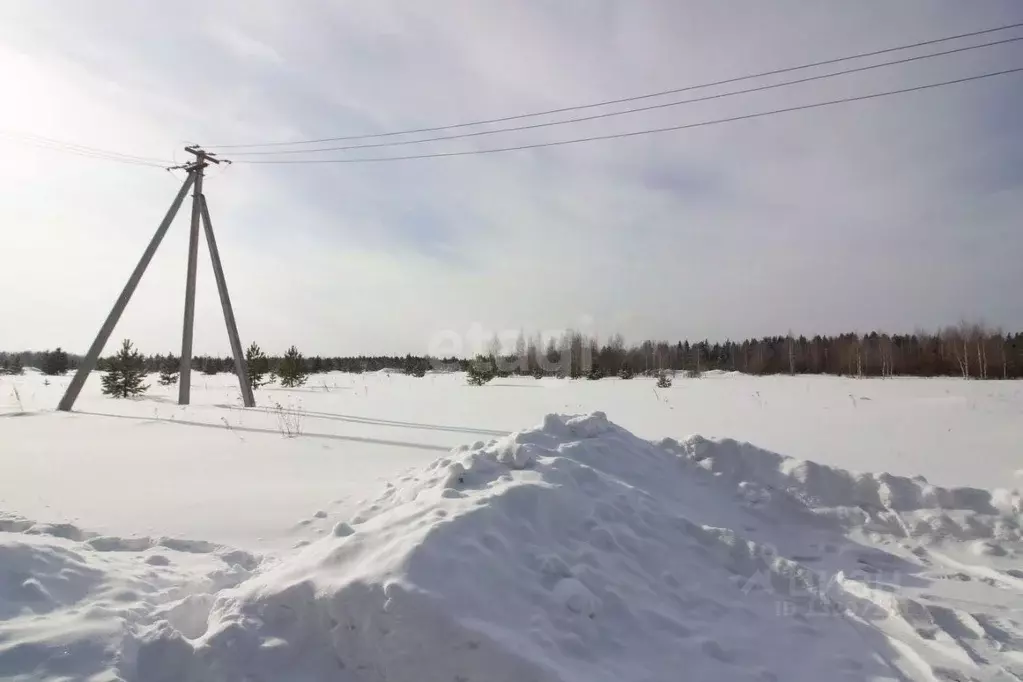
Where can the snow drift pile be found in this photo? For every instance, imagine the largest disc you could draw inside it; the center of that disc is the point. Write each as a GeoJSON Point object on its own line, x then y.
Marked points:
{"type": "Point", "coordinates": [576, 551]}
{"type": "Point", "coordinates": [572, 552]}
{"type": "Point", "coordinates": [72, 602]}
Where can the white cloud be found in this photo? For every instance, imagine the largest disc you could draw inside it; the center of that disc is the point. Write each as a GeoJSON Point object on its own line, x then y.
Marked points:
{"type": "Point", "coordinates": [893, 213]}
{"type": "Point", "coordinates": [241, 45]}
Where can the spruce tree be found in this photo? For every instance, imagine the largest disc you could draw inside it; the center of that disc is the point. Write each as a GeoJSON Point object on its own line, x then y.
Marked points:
{"type": "Point", "coordinates": [663, 380]}
{"type": "Point", "coordinates": [210, 366]}
{"type": "Point", "coordinates": [292, 369]}
{"type": "Point", "coordinates": [481, 370]}
{"type": "Point", "coordinates": [16, 367]}
{"type": "Point", "coordinates": [126, 373]}
{"type": "Point", "coordinates": [169, 368]}
{"type": "Point", "coordinates": [258, 366]}
{"type": "Point", "coordinates": [55, 362]}
{"type": "Point", "coordinates": [414, 367]}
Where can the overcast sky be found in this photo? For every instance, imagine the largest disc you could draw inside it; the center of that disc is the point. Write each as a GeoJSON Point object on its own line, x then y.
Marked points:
{"type": "Point", "coordinates": [892, 214]}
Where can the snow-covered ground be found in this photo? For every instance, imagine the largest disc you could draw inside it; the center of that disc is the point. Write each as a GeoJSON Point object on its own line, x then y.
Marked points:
{"type": "Point", "coordinates": [422, 529]}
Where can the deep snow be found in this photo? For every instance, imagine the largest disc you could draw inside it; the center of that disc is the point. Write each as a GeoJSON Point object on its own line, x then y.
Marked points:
{"type": "Point", "coordinates": [216, 472]}
{"type": "Point", "coordinates": [575, 550]}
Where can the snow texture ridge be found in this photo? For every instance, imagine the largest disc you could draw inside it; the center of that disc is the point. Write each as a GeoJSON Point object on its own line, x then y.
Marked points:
{"type": "Point", "coordinates": [576, 552]}
{"type": "Point", "coordinates": [72, 603]}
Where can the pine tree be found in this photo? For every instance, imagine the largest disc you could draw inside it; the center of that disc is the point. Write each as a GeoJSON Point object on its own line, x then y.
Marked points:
{"type": "Point", "coordinates": [55, 362]}
{"type": "Point", "coordinates": [292, 369]}
{"type": "Point", "coordinates": [413, 366]}
{"type": "Point", "coordinates": [126, 374]}
{"type": "Point", "coordinates": [16, 368]}
{"type": "Point", "coordinates": [258, 366]}
{"type": "Point", "coordinates": [209, 366]}
{"type": "Point", "coordinates": [481, 370]}
{"type": "Point", "coordinates": [626, 371]}
{"type": "Point", "coordinates": [663, 380]}
{"type": "Point", "coordinates": [169, 368]}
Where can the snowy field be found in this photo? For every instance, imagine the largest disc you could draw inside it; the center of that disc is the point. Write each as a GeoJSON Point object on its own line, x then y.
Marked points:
{"type": "Point", "coordinates": [422, 529]}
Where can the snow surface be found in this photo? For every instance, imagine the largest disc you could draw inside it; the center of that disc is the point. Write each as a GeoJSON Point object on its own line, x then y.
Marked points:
{"type": "Point", "coordinates": [393, 541]}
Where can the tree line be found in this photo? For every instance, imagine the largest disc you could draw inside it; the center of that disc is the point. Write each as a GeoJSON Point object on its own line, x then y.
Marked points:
{"type": "Point", "coordinates": [970, 351]}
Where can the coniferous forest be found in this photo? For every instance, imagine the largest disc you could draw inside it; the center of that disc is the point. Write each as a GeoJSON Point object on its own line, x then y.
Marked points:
{"type": "Point", "coordinates": [969, 351]}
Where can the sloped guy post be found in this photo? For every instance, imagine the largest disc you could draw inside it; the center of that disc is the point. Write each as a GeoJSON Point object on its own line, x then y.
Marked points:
{"type": "Point", "coordinates": [225, 302]}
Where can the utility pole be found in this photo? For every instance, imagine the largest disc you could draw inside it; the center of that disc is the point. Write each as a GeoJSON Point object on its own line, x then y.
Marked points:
{"type": "Point", "coordinates": [200, 212]}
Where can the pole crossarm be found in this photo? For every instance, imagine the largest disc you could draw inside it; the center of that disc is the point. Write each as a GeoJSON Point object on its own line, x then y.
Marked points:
{"type": "Point", "coordinates": [202, 159]}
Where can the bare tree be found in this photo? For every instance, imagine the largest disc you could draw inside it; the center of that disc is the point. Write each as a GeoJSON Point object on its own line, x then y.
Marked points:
{"type": "Point", "coordinates": [1005, 364]}
{"type": "Point", "coordinates": [494, 347]}
{"type": "Point", "coordinates": [792, 354]}
{"type": "Point", "coordinates": [979, 337]}
{"type": "Point", "coordinates": [521, 353]}
{"type": "Point", "coordinates": [956, 339]}
{"type": "Point", "coordinates": [886, 354]}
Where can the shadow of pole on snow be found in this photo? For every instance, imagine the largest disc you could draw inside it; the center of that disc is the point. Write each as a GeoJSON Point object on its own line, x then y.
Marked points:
{"type": "Point", "coordinates": [252, 429]}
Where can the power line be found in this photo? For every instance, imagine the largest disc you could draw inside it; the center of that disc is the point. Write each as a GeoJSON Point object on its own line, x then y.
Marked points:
{"type": "Point", "coordinates": [622, 100]}
{"type": "Point", "coordinates": [82, 150]}
{"type": "Point", "coordinates": [635, 133]}
{"type": "Point", "coordinates": [634, 110]}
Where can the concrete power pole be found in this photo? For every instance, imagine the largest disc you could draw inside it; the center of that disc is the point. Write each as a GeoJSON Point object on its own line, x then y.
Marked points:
{"type": "Point", "coordinates": [200, 213]}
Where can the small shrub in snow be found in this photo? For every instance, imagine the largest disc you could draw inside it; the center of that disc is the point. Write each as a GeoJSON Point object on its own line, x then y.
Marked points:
{"type": "Point", "coordinates": [481, 370]}
{"type": "Point", "coordinates": [125, 374]}
{"type": "Point", "coordinates": [169, 369]}
{"type": "Point", "coordinates": [292, 369]}
{"type": "Point", "coordinates": [693, 374]}
{"type": "Point", "coordinates": [626, 372]}
{"type": "Point", "coordinates": [595, 373]}
{"type": "Point", "coordinates": [289, 420]}
{"type": "Point", "coordinates": [663, 380]}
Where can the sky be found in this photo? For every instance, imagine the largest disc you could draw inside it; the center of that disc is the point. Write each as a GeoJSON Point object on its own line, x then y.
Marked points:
{"type": "Point", "coordinates": [892, 214]}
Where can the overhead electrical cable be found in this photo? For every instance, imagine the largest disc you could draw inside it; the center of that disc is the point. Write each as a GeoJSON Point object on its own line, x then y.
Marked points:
{"type": "Point", "coordinates": [622, 100]}
{"type": "Point", "coordinates": [662, 105]}
{"type": "Point", "coordinates": [650, 131]}
{"type": "Point", "coordinates": [82, 150]}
